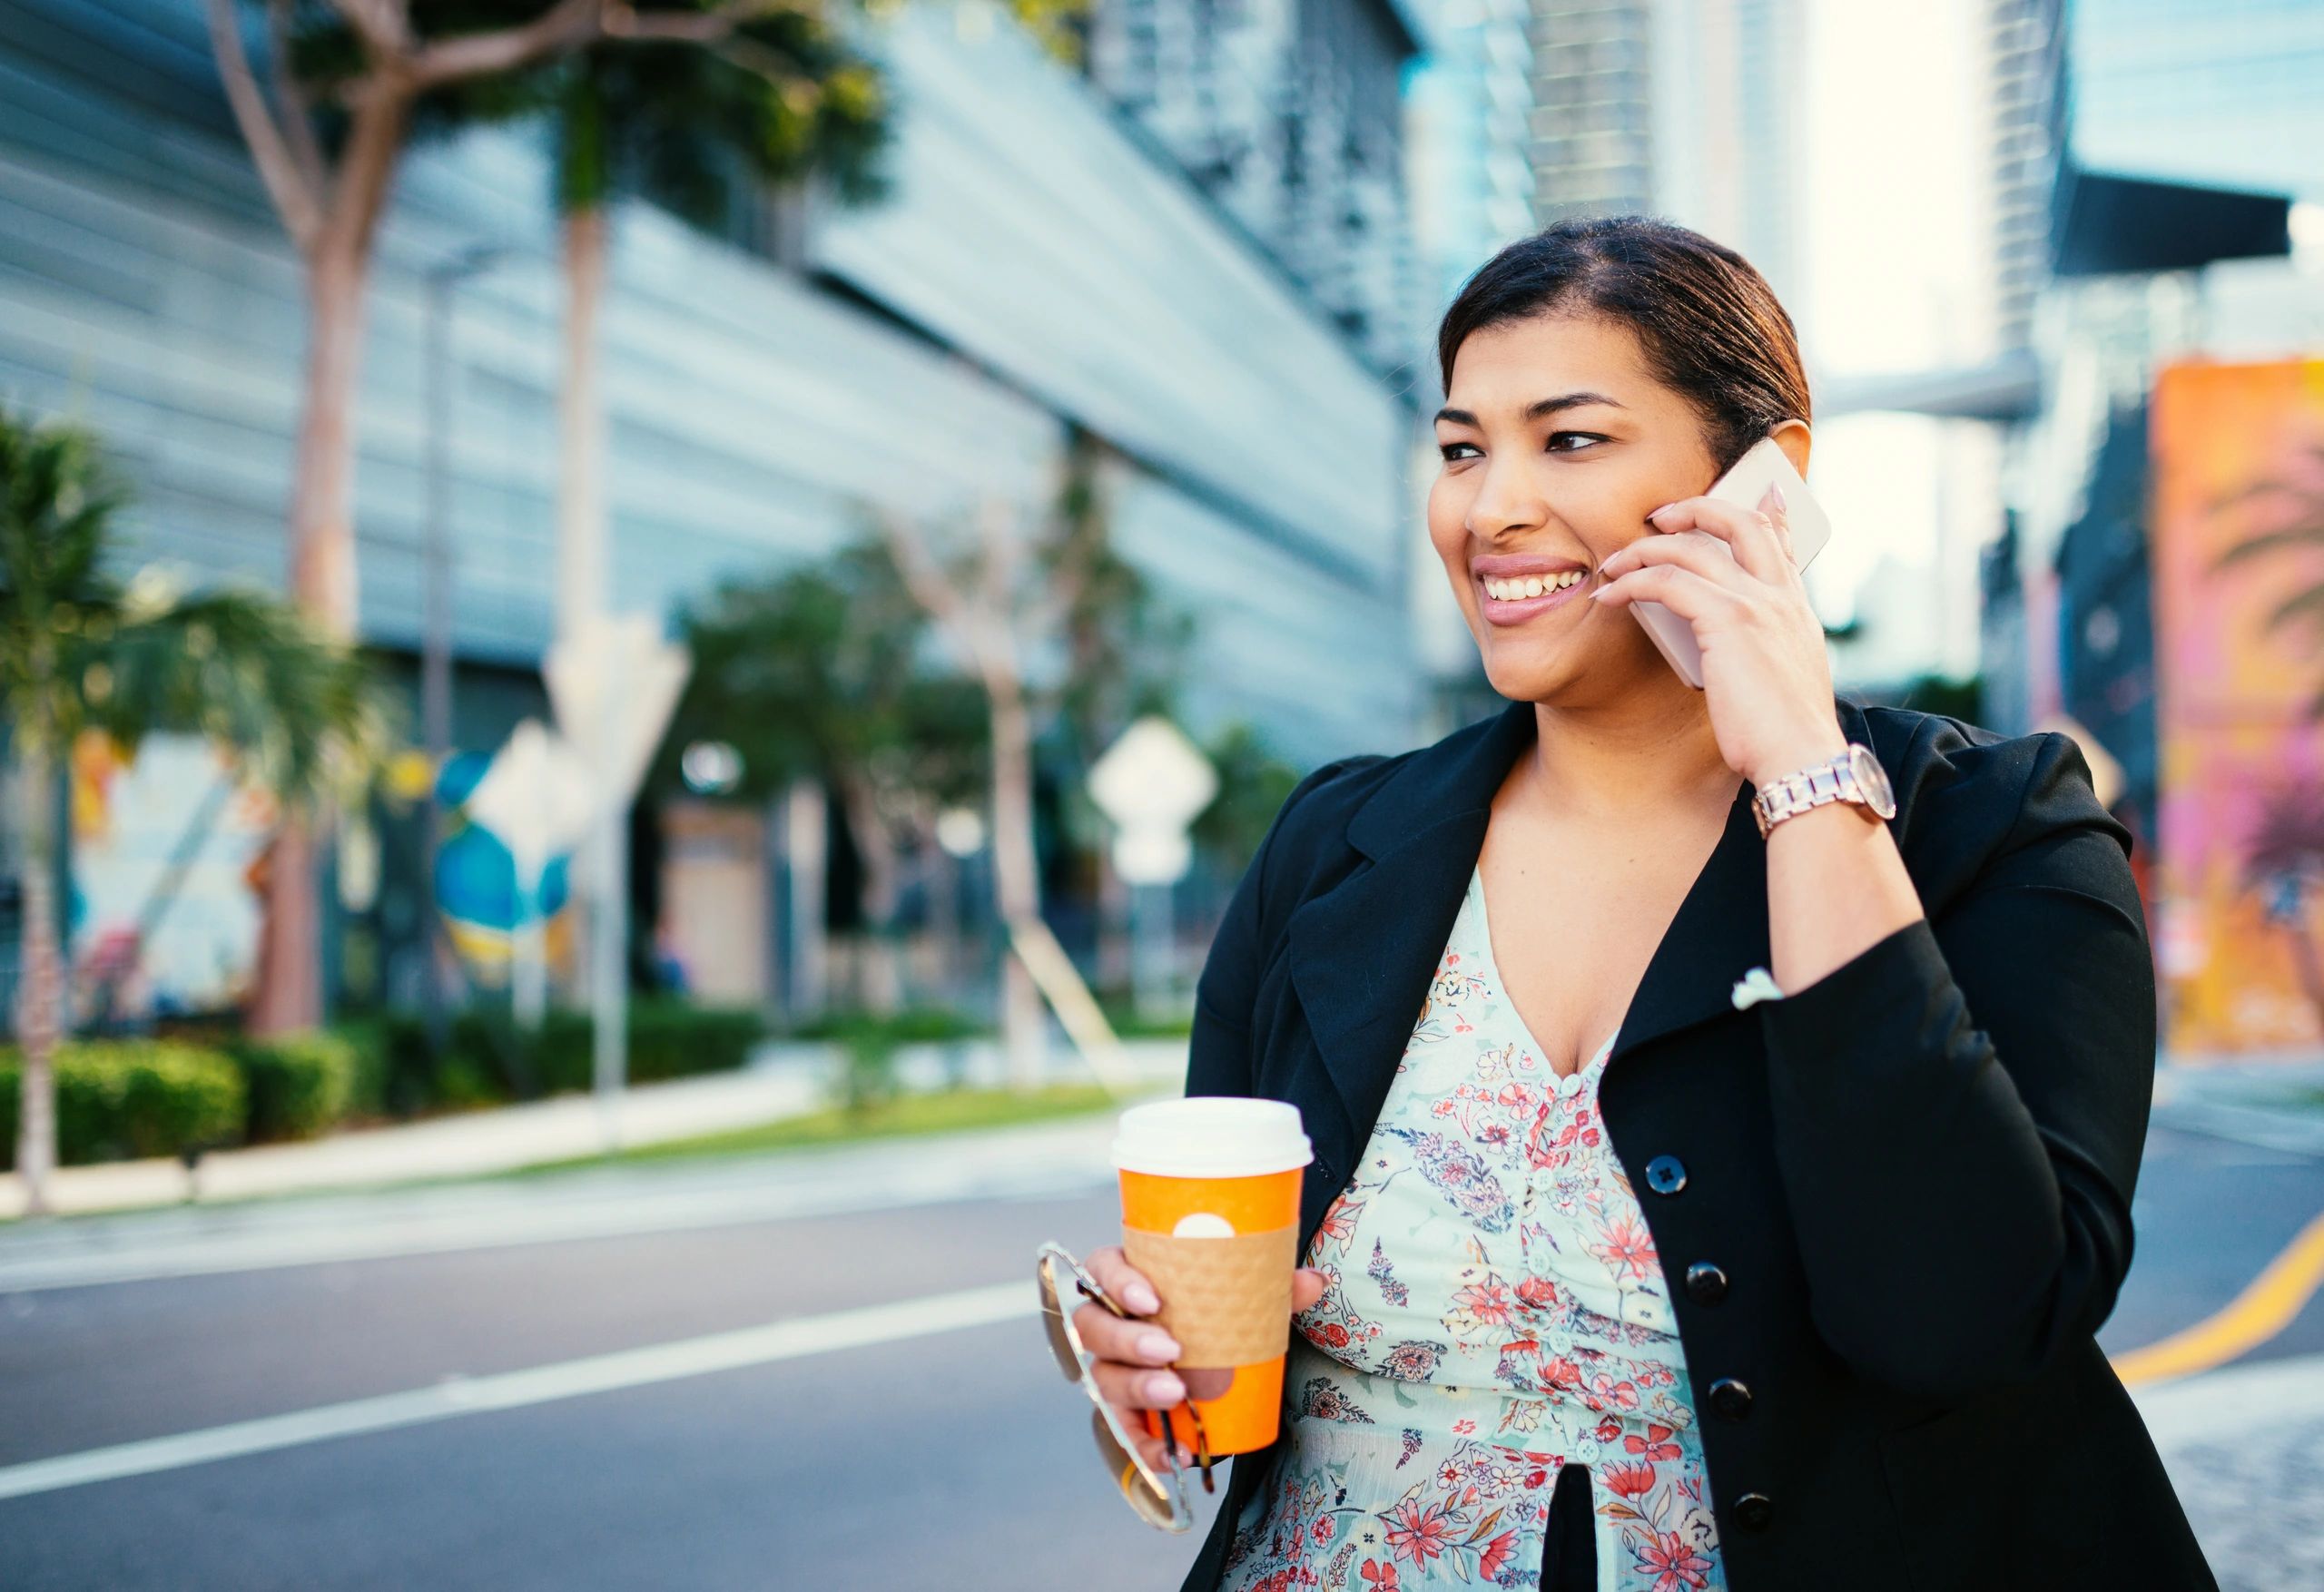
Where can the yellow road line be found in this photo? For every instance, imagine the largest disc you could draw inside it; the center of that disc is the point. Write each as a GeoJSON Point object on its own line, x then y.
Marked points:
{"type": "Point", "coordinates": [2255, 1315]}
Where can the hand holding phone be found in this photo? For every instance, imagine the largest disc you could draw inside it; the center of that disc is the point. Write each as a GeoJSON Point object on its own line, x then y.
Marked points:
{"type": "Point", "coordinates": [1764, 465]}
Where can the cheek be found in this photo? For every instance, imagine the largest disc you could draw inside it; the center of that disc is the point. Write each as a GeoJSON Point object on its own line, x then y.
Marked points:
{"type": "Point", "coordinates": [1448, 508]}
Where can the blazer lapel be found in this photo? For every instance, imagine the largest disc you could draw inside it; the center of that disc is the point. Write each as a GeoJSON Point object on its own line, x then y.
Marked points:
{"type": "Point", "coordinates": [1362, 953]}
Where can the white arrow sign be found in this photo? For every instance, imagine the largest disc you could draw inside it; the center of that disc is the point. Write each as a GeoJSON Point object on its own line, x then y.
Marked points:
{"type": "Point", "coordinates": [614, 685]}
{"type": "Point", "coordinates": [1152, 782]}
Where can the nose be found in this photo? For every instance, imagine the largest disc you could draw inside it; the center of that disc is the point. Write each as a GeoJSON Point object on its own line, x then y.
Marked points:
{"type": "Point", "coordinates": [1508, 498]}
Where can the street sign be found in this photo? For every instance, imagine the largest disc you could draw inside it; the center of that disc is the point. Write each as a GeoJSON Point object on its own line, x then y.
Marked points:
{"type": "Point", "coordinates": [537, 796]}
{"type": "Point", "coordinates": [1152, 782]}
{"type": "Point", "coordinates": [614, 684]}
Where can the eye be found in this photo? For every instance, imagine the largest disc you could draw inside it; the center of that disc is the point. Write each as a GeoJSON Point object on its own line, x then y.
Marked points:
{"type": "Point", "coordinates": [1586, 436]}
{"type": "Point", "coordinates": [1446, 450]}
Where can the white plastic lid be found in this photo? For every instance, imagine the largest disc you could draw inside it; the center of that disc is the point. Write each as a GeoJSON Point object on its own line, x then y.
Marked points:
{"type": "Point", "coordinates": [1211, 1135]}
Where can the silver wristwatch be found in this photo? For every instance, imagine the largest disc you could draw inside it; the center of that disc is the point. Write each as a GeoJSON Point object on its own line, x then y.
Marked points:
{"type": "Point", "coordinates": [1856, 775]}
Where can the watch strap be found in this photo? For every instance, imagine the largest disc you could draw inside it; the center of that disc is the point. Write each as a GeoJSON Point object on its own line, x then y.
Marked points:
{"type": "Point", "coordinates": [1815, 786]}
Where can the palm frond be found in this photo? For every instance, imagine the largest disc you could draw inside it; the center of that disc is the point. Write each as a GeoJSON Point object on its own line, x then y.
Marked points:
{"type": "Point", "coordinates": [2305, 534]}
{"type": "Point", "coordinates": [299, 711]}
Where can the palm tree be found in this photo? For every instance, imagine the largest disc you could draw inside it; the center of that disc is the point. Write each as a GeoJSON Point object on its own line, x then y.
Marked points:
{"type": "Point", "coordinates": [79, 651]}
{"type": "Point", "coordinates": [2288, 506]}
{"type": "Point", "coordinates": [2283, 865]}
{"type": "Point", "coordinates": [327, 124]}
{"type": "Point", "coordinates": [816, 674]}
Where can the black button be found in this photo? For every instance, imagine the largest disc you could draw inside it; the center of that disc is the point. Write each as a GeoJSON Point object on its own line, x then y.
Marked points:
{"type": "Point", "coordinates": [1754, 1511]}
{"type": "Point", "coordinates": [1706, 1284]}
{"type": "Point", "coordinates": [1323, 1168]}
{"type": "Point", "coordinates": [1730, 1398]}
{"type": "Point", "coordinates": [1666, 1174]}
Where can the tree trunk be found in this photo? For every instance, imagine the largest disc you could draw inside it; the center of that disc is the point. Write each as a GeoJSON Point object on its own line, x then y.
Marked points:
{"type": "Point", "coordinates": [880, 968]}
{"type": "Point", "coordinates": [2306, 963]}
{"type": "Point", "coordinates": [40, 984]}
{"type": "Point", "coordinates": [1017, 878]}
{"type": "Point", "coordinates": [582, 586]}
{"type": "Point", "coordinates": [581, 555]}
{"type": "Point", "coordinates": [290, 991]}
{"type": "Point", "coordinates": [1116, 965]}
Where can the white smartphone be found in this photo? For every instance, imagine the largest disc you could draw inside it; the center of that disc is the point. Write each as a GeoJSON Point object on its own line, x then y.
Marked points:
{"type": "Point", "coordinates": [1746, 484]}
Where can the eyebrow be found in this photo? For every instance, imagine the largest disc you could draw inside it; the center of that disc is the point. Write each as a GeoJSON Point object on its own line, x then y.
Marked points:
{"type": "Point", "coordinates": [1537, 408]}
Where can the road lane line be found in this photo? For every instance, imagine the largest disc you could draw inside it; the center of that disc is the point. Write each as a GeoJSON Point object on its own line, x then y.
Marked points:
{"type": "Point", "coordinates": [517, 1390]}
{"type": "Point", "coordinates": [2270, 1304]}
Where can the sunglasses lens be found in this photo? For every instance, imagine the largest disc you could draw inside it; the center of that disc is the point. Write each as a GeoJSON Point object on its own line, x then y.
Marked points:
{"type": "Point", "coordinates": [1053, 1321]}
{"type": "Point", "coordinates": [1145, 1492]}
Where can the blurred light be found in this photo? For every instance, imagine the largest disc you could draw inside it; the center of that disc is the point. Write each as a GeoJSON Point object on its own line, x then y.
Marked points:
{"type": "Point", "coordinates": [711, 768]}
{"type": "Point", "coordinates": [2306, 225]}
{"type": "Point", "coordinates": [960, 830]}
{"type": "Point", "coordinates": [410, 774]}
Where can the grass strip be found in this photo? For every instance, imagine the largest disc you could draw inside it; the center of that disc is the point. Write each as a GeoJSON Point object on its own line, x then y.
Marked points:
{"type": "Point", "coordinates": [952, 1110]}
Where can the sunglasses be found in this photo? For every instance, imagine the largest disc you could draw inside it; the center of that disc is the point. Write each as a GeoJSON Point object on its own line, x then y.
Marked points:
{"type": "Point", "coordinates": [1159, 1497]}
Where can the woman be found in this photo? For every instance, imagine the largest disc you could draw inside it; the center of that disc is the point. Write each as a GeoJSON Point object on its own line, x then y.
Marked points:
{"type": "Point", "coordinates": [1737, 1210]}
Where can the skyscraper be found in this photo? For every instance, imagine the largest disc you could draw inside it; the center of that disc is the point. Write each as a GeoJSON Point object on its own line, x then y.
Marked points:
{"type": "Point", "coordinates": [1290, 114]}
{"type": "Point", "coordinates": [1593, 98]}
{"type": "Point", "coordinates": [1687, 109]}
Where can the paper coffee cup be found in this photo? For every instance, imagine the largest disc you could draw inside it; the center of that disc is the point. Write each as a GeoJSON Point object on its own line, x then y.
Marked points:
{"type": "Point", "coordinates": [1210, 1216]}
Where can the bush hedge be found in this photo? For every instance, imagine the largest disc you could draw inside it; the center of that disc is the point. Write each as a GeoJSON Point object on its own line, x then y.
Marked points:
{"type": "Point", "coordinates": [296, 1085]}
{"type": "Point", "coordinates": [118, 1099]}
{"type": "Point", "coordinates": [487, 1060]}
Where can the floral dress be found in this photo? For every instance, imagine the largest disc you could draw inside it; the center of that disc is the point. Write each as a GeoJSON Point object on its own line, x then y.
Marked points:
{"type": "Point", "coordinates": [1493, 1311]}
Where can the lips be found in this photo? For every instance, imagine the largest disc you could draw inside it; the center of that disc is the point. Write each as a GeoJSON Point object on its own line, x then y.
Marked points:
{"type": "Point", "coordinates": [1499, 568]}
{"type": "Point", "coordinates": [1503, 611]}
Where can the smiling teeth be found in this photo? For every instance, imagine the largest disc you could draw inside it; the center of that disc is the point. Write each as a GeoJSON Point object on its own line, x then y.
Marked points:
{"type": "Point", "coordinates": [1532, 586]}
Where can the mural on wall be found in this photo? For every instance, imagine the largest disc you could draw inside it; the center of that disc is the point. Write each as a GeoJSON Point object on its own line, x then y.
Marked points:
{"type": "Point", "coordinates": [165, 914]}
{"type": "Point", "coordinates": [2238, 544]}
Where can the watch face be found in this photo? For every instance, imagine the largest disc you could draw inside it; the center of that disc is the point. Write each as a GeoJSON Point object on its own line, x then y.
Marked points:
{"type": "Point", "coordinates": [1873, 779]}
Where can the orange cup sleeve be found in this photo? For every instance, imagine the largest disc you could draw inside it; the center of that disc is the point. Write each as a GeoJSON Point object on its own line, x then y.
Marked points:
{"type": "Point", "coordinates": [1226, 1301]}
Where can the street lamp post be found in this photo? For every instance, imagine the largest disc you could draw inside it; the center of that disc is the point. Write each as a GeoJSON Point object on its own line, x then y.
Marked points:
{"type": "Point", "coordinates": [444, 278]}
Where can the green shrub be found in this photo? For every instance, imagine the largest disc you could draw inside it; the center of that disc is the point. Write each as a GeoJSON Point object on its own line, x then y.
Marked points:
{"type": "Point", "coordinates": [117, 1099]}
{"type": "Point", "coordinates": [298, 1085]}
{"type": "Point", "coordinates": [487, 1058]}
{"type": "Point", "coordinates": [669, 1039]}
{"type": "Point", "coordinates": [915, 1025]}
{"type": "Point", "coordinates": [366, 1039]}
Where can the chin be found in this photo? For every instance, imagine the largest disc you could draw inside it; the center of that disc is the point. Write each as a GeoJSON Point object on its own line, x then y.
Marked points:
{"type": "Point", "coordinates": [1567, 675]}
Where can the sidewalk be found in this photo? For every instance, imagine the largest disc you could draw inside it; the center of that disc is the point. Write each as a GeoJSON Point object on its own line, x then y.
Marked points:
{"type": "Point", "coordinates": [1037, 1160]}
{"type": "Point", "coordinates": [2276, 1105]}
{"type": "Point", "coordinates": [784, 1080]}
{"type": "Point", "coordinates": [2245, 1449]}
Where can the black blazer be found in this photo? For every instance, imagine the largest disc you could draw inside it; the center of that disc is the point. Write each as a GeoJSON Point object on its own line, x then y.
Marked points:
{"type": "Point", "coordinates": [1915, 1174]}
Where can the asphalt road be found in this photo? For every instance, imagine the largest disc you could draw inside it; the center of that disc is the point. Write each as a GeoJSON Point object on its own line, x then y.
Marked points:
{"type": "Point", "coordinates": [955, 1460]}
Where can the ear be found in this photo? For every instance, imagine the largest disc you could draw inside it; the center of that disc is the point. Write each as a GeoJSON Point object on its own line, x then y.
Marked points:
{"type": "Point", "coordinates": [1793, 436]}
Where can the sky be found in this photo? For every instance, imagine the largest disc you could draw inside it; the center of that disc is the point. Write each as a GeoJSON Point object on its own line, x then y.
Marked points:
{"type": "Point", "coordinates": [1896, 278]}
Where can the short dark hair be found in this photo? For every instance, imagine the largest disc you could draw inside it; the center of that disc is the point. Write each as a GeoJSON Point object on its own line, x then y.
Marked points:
{"type": "Point", "coordinates": [1711, 326]}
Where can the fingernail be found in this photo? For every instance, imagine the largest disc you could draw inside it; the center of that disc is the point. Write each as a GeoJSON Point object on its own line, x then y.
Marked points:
{"type": "Point", "coordinates": [1658, 514]}
{"type": "Point", "coordinates": [1774, 490]}
{"type": "Point", "coordinates": [1165, 1390]}
{"type": "Point", "coordinates": [1159, 1348]}
{"type": "Point", "coordinates": [1141, 1298]}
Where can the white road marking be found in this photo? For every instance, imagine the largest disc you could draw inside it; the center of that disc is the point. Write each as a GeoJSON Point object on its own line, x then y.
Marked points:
{"type": "Point", "coordinates": [103, 1251]}
{"type": "Point", "coordinates": [601, 1373]}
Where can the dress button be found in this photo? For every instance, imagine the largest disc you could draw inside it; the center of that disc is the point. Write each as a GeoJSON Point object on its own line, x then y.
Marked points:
{"type": "Point", "coordinates": [1666, 1174]}
{"type": "Point", "coordinates": [1754, 1511]}
{"type": "Point", "coordinates": [1730, 1399]}
{"type": "Point", "coordinates": [1706, 1284]}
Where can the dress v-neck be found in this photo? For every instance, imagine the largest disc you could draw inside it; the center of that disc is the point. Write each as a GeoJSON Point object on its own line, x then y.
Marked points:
{"type": "Point", "coordinates": [1563, 1081]}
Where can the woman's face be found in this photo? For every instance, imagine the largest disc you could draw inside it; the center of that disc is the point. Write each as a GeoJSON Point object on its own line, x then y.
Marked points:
{"type": "Point", "coordinates": [1556, 444]}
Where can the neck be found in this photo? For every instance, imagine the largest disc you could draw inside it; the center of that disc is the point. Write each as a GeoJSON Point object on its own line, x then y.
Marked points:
{"type": "Point", "coordinates": [1649, 750]}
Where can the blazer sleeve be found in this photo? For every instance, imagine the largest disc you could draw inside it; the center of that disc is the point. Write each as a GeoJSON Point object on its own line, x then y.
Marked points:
{"type": "Point", "coordinates": [1960, 1110]}
{"type": "Point", "coordinates": [1219, 1057]}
